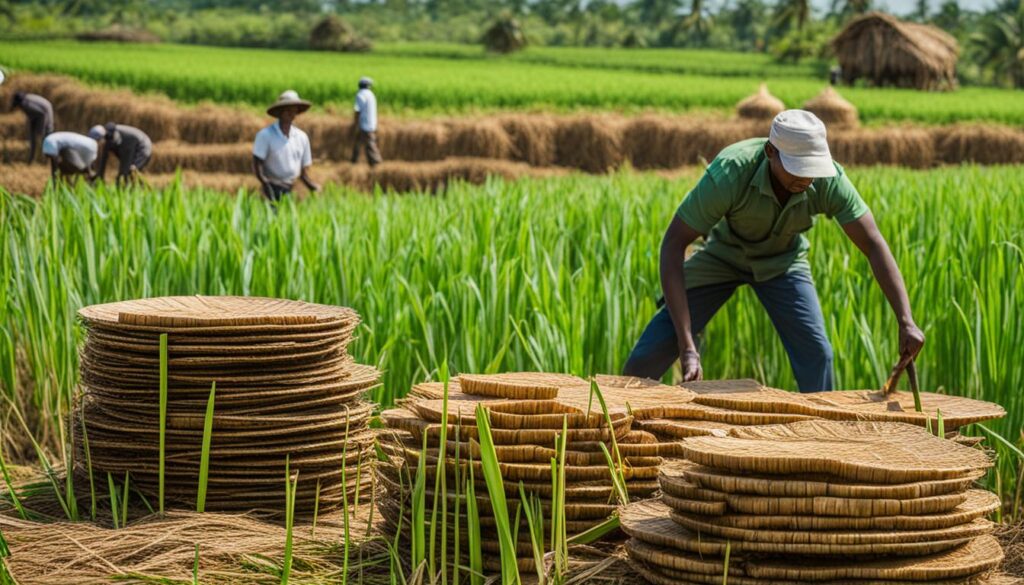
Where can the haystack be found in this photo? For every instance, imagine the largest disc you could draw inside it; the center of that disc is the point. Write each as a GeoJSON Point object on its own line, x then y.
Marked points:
{"type": "Point", "coordinates": [833, 110]}
{"type": "Point", "coordinates": [287, 393]}
{"type": "Point", "coordinates": [885, 50]}
{"type": "Point", "coordinates": [591, 143]}
{"type": "Point", "coordinates": [484, 138]}
{"type": "Point", "coordinates": [815, 501]}
{"type": "Point", "coordinates": [760, 106]}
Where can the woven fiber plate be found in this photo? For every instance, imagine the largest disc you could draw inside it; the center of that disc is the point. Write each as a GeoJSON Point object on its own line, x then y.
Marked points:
{"type": "Point", "coordinates": [979, 503]}
{"type": "Point", "coordinates": [898, 406]}
{"type": "Point", "coordinates": [224, 311]}
{"type": "Point", "coordinates": [680, 429]}
{"type": "Point", "coordinates": [741, 385]}
{"type": "Point", "coordinates": [870, 452]}
{"type": "Point", "coordinates": [649, 521]}
{"type": "Point", "coordinates": [977, 527]}
{"type": "Point", "coordinates": [231, 347]}
{"type": "Point", "coordinates": [724, 481]}
{"type": "Point", "coordinates": [771, 400]}
{"type": "Point", "coordinates": [523, 414]}
{"type": "Point", "coordinates": [405, 420]}
{"type": "Point", "coordinates": [517, 385]}
{"type": "Point", "coordinates": [677, 495]}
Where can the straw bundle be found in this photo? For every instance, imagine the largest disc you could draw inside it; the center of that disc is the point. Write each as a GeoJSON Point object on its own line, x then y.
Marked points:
{"type": "Point", "coordinates": [793, 503]}
{"type": "Point", "coordinates": [484, 138]}
{"type": "Point", "coordinates": [833, 110]}
{"type": "Point", "coordinates": [286, 390]}
{"type": "Point", "coordinates": [528, 414]}
{"type": "Point", "coordinates": [760, 106]}
{"type": "Point", "coordinates": [590, 143]}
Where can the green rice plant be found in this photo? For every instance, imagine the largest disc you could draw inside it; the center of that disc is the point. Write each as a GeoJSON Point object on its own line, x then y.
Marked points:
{"type": "Point", "coordinates": [195, 567]}
{"type": "Point", "coordinates": [598, 532]}
{"type": "Point", "coordinates": [535, 524]}
{"type": "Point", "coordinates": [345, 518]}
{"type": "Point", "coordinates": [51, 475]}
{"type": "Point", "coordinates": [204, 461]}
{"type": "Point", "coordinates": [11, 492]}
{"type": "Point", "coordinates": [440, 489]}
{"type": "Point", "coordinates": [418, 532]}
{"type": "Point", "coordinates": [114, 506]}
{"type": "Point", "coordinates": [5, 552]}
{"type": "Point", "coordinates": [163, 419]}
{"type": "Point", "coordinates": [496, 493]}
{"type": "Point", "coordinates": [941, 423]}
{"type": "Point", "coordinates": [559, 533]}
{"type": "Point", "coordinates": [88, 464]}
{"type": "Point", "coordinates": [457, 511]}
{"type": "Point", "coordinates": [316, 506]}
{"type": "Point", "coordinates": [125, 496]}
{"type": "Point", "coordinates": [290, 488]}
{"type": "Point", "coordinates": [476, 559]}
{"type": "Point", "coordinates": [616, 463]}
{"type": "Point", "coordinates": [725, 570]}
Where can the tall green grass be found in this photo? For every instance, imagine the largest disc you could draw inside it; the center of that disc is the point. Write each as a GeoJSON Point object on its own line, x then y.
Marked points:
{"type": "Point", "coordinates": [445, 80]}
{"type": "Point", "coordinates": [556, 274]}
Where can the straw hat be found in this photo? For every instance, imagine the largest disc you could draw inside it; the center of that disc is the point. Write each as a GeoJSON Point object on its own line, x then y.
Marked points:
{"type": "Point", "coordinates": [286, 99]}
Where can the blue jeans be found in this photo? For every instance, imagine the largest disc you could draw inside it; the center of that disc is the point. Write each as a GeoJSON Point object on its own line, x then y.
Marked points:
{"type": "Point", "coordinates": [792, 305]}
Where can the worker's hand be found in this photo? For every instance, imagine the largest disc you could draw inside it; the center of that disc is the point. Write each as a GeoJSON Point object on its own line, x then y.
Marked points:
{"type": "Point", "coordinates": [313, 187]}
{"type": "Point", "coordinates": [911, 339]}
{"type": "Point", "coordinates": [689, 359]}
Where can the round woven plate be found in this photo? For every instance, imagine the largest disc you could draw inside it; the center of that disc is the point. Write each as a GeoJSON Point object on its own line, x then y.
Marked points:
{"type": "Point", "coordinates": [223, 311]}
{"type": "Point", "coordinates": [405, 420]}
{"type": "Point", "coordinates": [177, 349]}
{"type": "Point", "coordinates": [680, 429]}
{"type": "Point", "coordinates": [650, 522]}
{"type": "Point", "coordinates": [870, 452]}
{"type": "Point", "coordinates": [517, 385]}
{"type": "Point", "coordinates": [724, 481]}
{"type": "Point", "coordinates": [899, 406]}
{"type": "Point", "coordinates": [433, 411]}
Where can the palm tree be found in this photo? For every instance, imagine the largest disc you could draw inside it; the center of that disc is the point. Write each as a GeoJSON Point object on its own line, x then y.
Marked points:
{"type": "Point", "coordinates": [697, 22]}
{"type": "Point", "coordinates": [792, 13]}
{"type": "Point", "coordinates": [999, 44]}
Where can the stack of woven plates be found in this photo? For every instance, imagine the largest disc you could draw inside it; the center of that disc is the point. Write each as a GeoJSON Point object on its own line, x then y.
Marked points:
{"type": "Point", "coordinates": [818, 501]}
{"type": "Point", "coordinates": [286, 388]}
{"type": "Point", "coordinates": [527, 412]}
{"type": "Point", "coordinates": [721, 405]}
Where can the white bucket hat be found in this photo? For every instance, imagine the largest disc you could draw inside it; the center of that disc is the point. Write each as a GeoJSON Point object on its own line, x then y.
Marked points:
{"type": "Point", "coordinates": [799, 136]}
{"type": "Point", "coordinates": [97, 132]}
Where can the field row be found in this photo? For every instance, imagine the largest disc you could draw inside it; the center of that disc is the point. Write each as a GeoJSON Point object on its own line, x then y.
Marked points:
{"type": "Point", "coordinates": [407, 83]}
{"type": "Point", "coordinates": [506, 276]}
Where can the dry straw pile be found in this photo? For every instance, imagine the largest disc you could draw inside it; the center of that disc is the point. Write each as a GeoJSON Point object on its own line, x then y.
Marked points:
{"type": "Point", "coordinates": [760, 106]}
{"type": "Point", "coordinates": [526, 413]}
{"type": "Point", "coordinates": [833, 110]}
{"type": "Point", "coordinates": [286, 389]}
{"type": "Point", "coordinates": [813, 501]}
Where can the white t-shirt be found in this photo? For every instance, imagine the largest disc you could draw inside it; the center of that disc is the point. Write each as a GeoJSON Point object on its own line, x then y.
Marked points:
{"type": "Point", "coordinates": [283, 157]}
{"type": "Point", "coordinates": [57, 141]}
{"type": "Point", "coordinates": [366, 105]}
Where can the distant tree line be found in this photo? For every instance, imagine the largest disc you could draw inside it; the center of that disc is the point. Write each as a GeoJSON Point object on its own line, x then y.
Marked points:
{"type": "Point", "coordinates": [992, 41]}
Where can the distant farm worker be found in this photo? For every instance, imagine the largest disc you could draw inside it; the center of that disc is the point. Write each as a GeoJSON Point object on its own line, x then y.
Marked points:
{"type": "Point", "coordinates": [39, 115]}
{"type": "Point", "coordinates": [281, 152]}
{"type": "Point", "coordinates": [752, 205]}
{"type": "Point", "coordinates": [132, 147]}
{"type": "Point", "coordinates": [364, 124]}
{"type": "Point", "coordinates": [70, 154]}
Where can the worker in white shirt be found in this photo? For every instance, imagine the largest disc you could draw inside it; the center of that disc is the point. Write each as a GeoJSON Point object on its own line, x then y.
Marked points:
{"type": "Point", "coordinates": [281, 152]}
{"type": "Point", "coordinates": [70, 154]}
{"type": "Point", "coordinates": [364, 124]}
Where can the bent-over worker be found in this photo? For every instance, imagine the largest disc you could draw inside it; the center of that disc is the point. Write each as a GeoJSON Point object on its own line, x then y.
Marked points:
{"type": "Point", "coordinates": [132, 147]}
{"type": "Point", "coordinates": [281, 152]}
{"type": "Point", "coordinates": [70, 154]}
{"type": "Point", "coordinates": [752, 206]}
{"type": "Point", "coordinates": [39, 115]}
{"type": "Point", "coordinates": [364, 123]}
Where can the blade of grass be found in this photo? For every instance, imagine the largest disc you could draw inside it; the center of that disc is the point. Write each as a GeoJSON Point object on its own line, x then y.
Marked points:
{"type": "Point", "coordinates": [10, 487]}
{"type": "Point", "coordinates": [113, 499]}
{"type": "Point", "coordinates": [534, 524]}
{"type": "Point", "coordinates": [204, 462]}
{"type": "Point", "coordinates": [476, 559]}
{"type": "Point", "coordinates": [289, 518]}
{"type": "Point", "coordinates": [195, 567]}
{"type": "Point", "coordinates": [88, 463]}
{"type": "Point", "coordinates": [496, 492]}
{"type": "Point", "coordinates": [124, 501]}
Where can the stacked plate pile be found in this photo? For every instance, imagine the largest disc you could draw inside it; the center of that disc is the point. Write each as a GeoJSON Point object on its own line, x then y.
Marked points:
{"type": "Point", "coordinates": [526, 412]}
{"type": "Point", "coordinates": [817, 501]}
{"type": "Point", "coordinates": [286, 388]}
{"type": "Point", "coordinates": [722, 405]}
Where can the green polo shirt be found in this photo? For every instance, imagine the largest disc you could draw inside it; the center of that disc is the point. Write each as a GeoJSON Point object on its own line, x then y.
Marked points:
{"type": "Point", "coordinates": [749, 235]}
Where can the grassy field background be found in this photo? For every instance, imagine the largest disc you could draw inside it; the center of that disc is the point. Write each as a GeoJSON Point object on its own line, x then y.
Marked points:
{"type": "Point", "coordinates": [427, 79]}
{"type": "Point", "coordinates": [556, 274]}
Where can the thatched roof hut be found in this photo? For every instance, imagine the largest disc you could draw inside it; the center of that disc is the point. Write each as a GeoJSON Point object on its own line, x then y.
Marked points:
{"type": "Point", "coordinates": [885, 50]}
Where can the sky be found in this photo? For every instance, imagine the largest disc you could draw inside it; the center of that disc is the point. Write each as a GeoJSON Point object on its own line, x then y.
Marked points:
{"type": "Point", "coordinates": [905, 6]}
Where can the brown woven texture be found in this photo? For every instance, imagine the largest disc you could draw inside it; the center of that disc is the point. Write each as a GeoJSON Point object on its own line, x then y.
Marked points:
{"type": "Point", "coordinates": [517, 385]}
{"type": "Point", "coordinates": [286, 390]}
{"type": "Point", "coordinates": [650, 522]}
{"type": "Point", "coordinates": [809, 486]}
{"type": "Point", "coordinates": [871, 452]}
{"type": "Point", "coordinates": [957, 411]}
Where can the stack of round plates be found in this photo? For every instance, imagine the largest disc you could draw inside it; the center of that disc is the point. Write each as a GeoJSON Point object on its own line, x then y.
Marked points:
{"type": "Point", "coordinates": [795, 503]}
{"type": "Point", "coordinates": [286, 389]}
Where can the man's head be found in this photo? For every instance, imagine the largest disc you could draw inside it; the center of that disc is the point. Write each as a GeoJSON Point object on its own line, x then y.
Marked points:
{"type": "Point", "coordinates": [19, 97]}
{"type": "Point", "coordinates": [287, 106]}
{"type": "Point", "coordinates": [365, 83]}
{"type": "Point", "coordinates": [797, 150]}
{"type": "Point", "coordinates": [287, 114]}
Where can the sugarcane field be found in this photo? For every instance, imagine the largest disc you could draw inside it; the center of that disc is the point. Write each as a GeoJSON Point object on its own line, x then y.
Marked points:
{"type": "Point", "coordinates": [454, 292]}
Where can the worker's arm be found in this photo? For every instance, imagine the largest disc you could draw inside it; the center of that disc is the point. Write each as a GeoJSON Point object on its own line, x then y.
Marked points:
{"type": "Point", "coordinates": [257, 169]}
{"type": "Point", "coordinates": [863, 232]}
{"type": "Point", "coordinates": [673, 286]}
{"type": "Point", "coordinates": [31, 142]}
{"type": "Point", "coordinates": [53, 168]}
{"type": "Point", "coordinates": [308, 181]}
{"type": "Point", "coordinates": [101, 166]}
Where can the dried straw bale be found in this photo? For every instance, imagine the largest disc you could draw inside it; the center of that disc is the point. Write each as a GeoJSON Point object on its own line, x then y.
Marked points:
{"type": "Point", "coordinates": [833, 110]}
{"type": "Point", "coordinates": [208, 123]}
{"type": "Point", "coordinates": [12, 125]}
{"type": "Point", "coordinates": [591, 143]}
{"type": "Point", "coordinates": [78, 108]}
{"type": "Point", "coordinates": [168, 157]}
{"type": "Point", "coordinates": [481, 137]}
{"type": "Point", "coordinates": [413, 141]}
{"type": "Point", "coordinates": [533, 137]}
{"type": "Point", "coordinates": [330, 137]}
{"type": "Point", "coordinates": [985, 144]}
{"type": "Point", "coordinates": [655, 141]}
{"type": "Point", "coordinates": [760, 106]}
{"type": "Point", "coordinates": [900, 146]}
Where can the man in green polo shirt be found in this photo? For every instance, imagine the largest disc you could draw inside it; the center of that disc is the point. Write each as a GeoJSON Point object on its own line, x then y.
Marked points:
{"type": "Point", "coordinates": [752, 206]}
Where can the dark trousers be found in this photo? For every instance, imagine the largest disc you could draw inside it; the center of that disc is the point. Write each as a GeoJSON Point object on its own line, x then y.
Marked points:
{"type": "Point", "coordinates": [274, 192]}
{"type": "Point", "coordinates": [792, 305]}
{"type": "Point", "coordinates": [368, 140]}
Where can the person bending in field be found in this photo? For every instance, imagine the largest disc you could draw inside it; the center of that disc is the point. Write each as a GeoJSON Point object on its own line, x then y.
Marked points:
{"type": "Point", "coordinates": [39, 115]}
{"type": "Point", "coordinates": [132, 147]}
{"type": "Point", "coordinates": [364, 124]}
{"type": "Point", "coordinates": [752, 206]}
{"type": "Point", "coordinates": [281, 152]}
{"type": "Point", "coordinates": [71, 154]}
